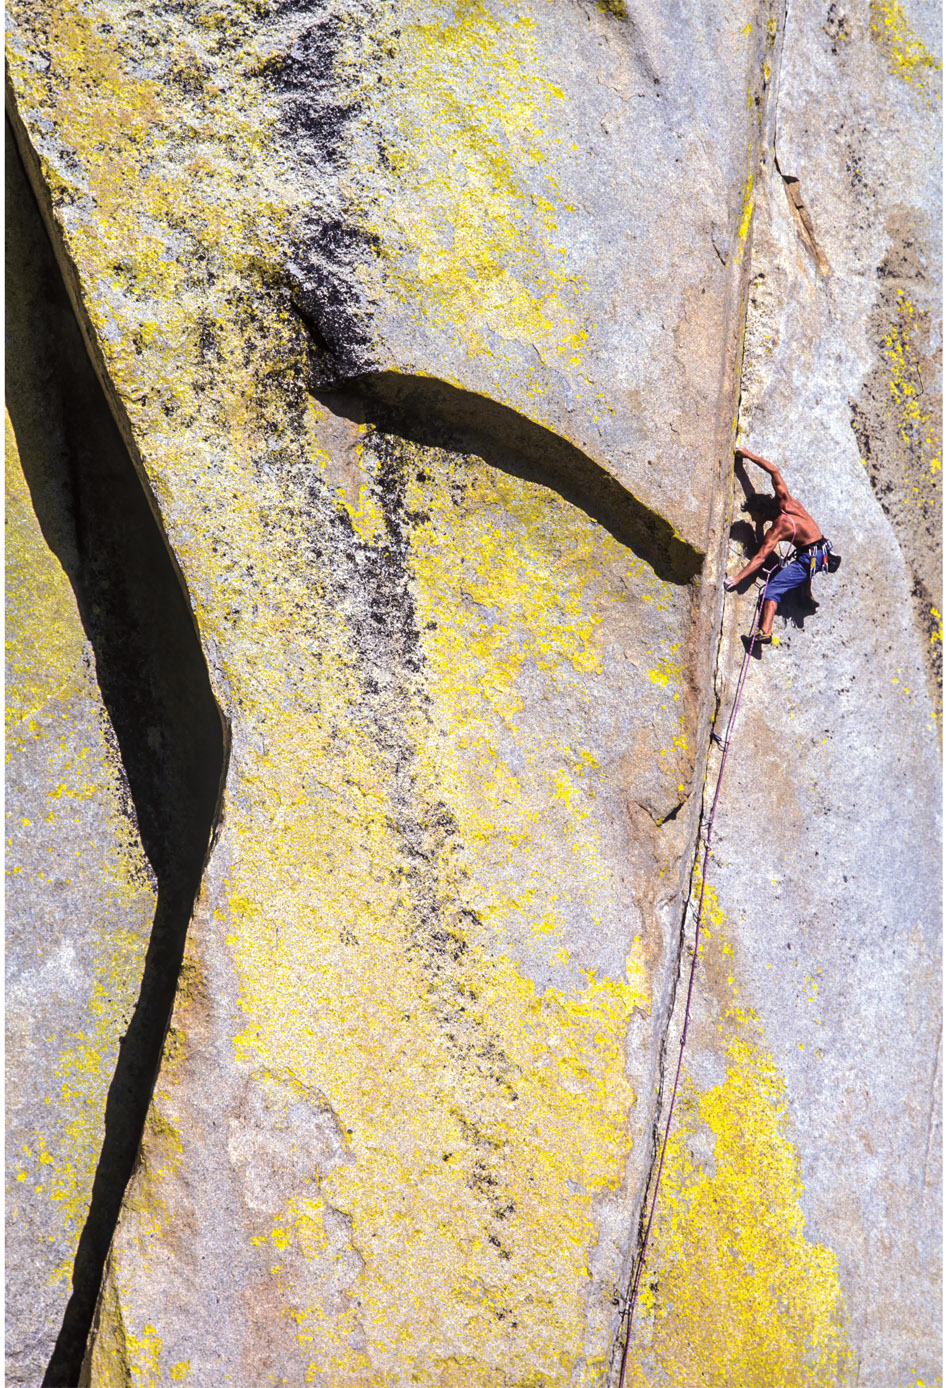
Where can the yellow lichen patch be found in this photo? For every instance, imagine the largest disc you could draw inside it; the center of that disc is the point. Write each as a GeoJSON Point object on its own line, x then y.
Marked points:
{"type": "Point", "coordinates": [509, 581]}
{"type": "Point", "coordinates": [144, 1358]}
{"type": "Point", "coordinates": [745, 220]}
{"type": "Point", "coordinates": [464, 1200]}
{"type": "Point", "coordinates": [915, 416]}
{"type": "Point", "coordinates": [490, 610]}
{"type": "Point", "coordinates": [366, 517]}
{"type": "Point", "coordinates": [188, 298]}
{"type": "Point", "coordinates": [509, 604]}
{"type": "Point", "coordinates": [469, 230]}
{"type": "Point", "coordinates": [908, 56]}
{"type": "Point", "coordinates": [733, 1291]}
{"type": "Point", "coordinates": [667, 670]}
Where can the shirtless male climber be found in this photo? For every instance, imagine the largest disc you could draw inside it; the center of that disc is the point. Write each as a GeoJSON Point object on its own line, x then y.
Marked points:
{"type": "Point", "coordinates": [794, 524]}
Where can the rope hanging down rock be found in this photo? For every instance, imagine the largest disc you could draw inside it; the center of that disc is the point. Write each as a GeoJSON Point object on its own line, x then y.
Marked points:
{"type": "Point", "coordinates": [631, 1302]}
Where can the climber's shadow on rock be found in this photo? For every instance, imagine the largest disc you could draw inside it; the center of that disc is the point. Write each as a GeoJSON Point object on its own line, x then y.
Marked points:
{"type": "Point", "coordinates": [797, 605]}
{"type": "Point", "coordinates": [757, 510]}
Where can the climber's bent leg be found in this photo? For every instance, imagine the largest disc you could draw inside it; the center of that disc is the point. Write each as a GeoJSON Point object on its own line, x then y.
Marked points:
{"type": "Point", "coordinates": [792, 576]}
{"type": "Point", "coordinates": [768, 613]}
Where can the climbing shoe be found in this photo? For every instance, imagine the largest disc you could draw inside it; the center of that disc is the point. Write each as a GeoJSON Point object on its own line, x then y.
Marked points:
{"type": "Point", "coordinates": [755, 644]}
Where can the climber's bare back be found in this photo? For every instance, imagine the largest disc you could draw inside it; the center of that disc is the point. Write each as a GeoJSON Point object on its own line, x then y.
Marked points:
{"type": "Point", "coordinates": [805, 530]}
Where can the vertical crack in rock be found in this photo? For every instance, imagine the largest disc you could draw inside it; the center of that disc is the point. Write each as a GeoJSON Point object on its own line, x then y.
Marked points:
{"type": "Point", "coordinates": [897, 421]}
{"type": "Point", "coordinates": [772, 21]}
{"type": "Point", "coordinates": [97, 518]}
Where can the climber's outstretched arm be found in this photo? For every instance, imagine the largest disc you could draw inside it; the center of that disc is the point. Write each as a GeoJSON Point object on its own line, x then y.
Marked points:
{"type": "Point", "coordinates": [776, 532]}
{"type": "Point", "coordinates": [781, 491]}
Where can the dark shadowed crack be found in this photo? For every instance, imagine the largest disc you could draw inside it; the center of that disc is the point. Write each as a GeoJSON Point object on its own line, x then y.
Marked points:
{"type": "Point", "coordinates": [97, 518]}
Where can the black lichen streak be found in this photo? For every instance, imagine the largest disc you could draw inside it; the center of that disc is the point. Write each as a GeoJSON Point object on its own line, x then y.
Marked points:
{"type": "Point", "coordinates": [316, 111]}
{"type": "Point", "coordinates": [372, 584]}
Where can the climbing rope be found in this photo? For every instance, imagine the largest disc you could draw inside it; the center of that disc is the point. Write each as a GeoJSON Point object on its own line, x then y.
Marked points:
{"type": "Point", "coordinates": [631, 1303]}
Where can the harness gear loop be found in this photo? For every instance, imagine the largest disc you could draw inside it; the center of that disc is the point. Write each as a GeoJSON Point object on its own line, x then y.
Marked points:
{"type": "Point", "coordinates": [631, 1300]}
{"type": "Point", "coordinates": [818, 554]}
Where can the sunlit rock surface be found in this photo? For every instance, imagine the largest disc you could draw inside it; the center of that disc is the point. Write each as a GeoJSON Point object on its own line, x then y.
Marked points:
{"type": "Point", "coordinates": [423, 326]}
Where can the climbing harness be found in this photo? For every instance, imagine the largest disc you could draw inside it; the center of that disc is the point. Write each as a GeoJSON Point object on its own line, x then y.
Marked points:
{"type": "Point", "coordinates": [820, 557]}
{"type": "Point", "coordinates": [631, 1301]}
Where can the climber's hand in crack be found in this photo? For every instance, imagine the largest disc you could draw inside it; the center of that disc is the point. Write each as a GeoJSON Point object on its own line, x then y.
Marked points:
{"type": "Point", "coordinates": [778, 485]}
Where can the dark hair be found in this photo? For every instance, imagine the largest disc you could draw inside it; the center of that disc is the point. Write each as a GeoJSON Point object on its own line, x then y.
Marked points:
{"type": "Point", "coordinates": [762, 505]}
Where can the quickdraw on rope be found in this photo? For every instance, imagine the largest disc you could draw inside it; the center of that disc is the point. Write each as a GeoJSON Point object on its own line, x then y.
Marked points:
{"type": "Point", "coordinates": [631, 1302]}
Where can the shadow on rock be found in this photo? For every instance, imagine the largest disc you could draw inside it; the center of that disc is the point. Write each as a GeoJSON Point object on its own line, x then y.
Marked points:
{"type": "Point", "coordinates": [431, 412]}
{"type": "Point", "coordinates": [97, 518]}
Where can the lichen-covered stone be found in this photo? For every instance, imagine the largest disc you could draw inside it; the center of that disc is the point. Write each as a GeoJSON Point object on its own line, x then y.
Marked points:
{"type": "Point", "coordinates": [443, 897]}
{"type": "Point", "coordinates": [423, 322]}
{"type": "Point", "coordinates": [79, 904]}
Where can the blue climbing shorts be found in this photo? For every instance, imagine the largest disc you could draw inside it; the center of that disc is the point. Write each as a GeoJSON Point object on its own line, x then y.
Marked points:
{"type": "Point", "coordinates": [792, 576]}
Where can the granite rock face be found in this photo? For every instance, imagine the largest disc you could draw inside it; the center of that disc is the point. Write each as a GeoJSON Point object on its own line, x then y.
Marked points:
{"type": "Point", "coordinates": [422, 329]}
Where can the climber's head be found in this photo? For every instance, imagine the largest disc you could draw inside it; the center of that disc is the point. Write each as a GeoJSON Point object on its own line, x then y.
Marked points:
{"type": "Point", "coordinates": [762, 507]}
